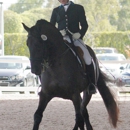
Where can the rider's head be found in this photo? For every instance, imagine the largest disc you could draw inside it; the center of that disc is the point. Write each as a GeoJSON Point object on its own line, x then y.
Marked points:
{"type": "Point", "coordinates": [63, 1]}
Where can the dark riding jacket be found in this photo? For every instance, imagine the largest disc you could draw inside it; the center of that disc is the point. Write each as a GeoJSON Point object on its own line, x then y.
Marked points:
{"type": "Point", "coordinates": [73, 19]}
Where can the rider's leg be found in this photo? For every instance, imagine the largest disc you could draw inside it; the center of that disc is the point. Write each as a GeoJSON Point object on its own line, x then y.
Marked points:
{"type": "Point", "coordinates": [90, 66]}
{"type": "Point", "coordinates": [91, 75]}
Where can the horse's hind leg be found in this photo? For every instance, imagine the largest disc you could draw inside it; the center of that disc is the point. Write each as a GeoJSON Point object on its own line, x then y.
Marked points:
{"type": "Point", "coordinates": [43, 101]}
{"type": "Point", "coordinates": [85, 101]}
{"type": "Point", "coordinates": [76, 99]}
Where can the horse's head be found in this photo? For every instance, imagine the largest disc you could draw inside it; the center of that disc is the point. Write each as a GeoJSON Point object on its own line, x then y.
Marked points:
{"type": "Point", "coordinates": [35, 45]}
{"type": "Point", "coordinates": [40, 38]}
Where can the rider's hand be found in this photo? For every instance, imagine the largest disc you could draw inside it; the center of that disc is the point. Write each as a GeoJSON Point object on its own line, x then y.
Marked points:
{"type": "Point", "coordinates": [76, 35]}
{"type": "Point", "coordinates": [63, 32]}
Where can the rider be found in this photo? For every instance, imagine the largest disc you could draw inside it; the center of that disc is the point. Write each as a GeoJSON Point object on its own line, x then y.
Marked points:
{"type": "Point", "coordinates": [69, 16]}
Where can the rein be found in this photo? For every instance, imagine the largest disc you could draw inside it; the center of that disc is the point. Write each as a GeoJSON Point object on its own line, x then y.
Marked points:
{"type": "Point", "coordinates": [45, 63]}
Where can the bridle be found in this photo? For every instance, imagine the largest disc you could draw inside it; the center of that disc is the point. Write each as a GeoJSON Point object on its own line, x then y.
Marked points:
{"type": "Point", "coordinates": [46, 63]}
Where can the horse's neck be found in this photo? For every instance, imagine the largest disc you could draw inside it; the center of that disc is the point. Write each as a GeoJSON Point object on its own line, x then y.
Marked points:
{"type": "Point", "coordinates": [60, 47]}
{"type": "Point", "coordinates": [55, 50]}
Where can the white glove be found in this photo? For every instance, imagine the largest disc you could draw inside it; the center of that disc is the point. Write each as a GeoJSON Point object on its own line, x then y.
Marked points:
{"type": "Point", "coordinates": [76, 36]}
{"type": "Point", "coordinates": [63, 32]}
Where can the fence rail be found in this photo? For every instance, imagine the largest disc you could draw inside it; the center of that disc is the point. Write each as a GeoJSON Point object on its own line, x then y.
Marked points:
{"type": "Point", "coordinates": [119, 91]}
{"type": "Point", "coordinates": [19, 90]}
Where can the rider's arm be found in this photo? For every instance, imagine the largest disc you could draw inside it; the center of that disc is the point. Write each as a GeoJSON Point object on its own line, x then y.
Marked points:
{"type": "Point", "coordinates": [83, 21]}
{"type": "Point", "coordinates": [53, 17]}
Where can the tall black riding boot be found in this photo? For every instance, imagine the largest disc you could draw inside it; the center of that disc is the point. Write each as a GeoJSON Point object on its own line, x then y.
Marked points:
{"type": "Point", "coordinates": [91, 76]}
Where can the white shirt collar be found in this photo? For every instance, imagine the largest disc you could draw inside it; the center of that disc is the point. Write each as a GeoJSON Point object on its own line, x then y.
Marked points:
{"type": "Point", "coordinates": [66, 6]}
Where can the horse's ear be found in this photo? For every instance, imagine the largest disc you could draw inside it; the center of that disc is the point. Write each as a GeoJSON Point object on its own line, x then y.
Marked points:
{"type": "Point", "coordinates": [26, 28]}
{"type": "Point", "coordinates": [44, 37]}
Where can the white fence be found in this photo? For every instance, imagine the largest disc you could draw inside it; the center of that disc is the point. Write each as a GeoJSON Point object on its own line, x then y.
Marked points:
{"type": "Point", "coordinates": [19, 90]}
{"type": "Point", "coordinates": [119, 91]}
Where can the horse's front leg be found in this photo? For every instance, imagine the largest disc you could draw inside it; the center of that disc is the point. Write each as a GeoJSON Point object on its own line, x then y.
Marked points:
{"type": "Point", "coordinates": [43, 101]}
{"type": "Point", "coordinates": [85, 101]}
{"type": "Point", "coordinates": [76, 99]}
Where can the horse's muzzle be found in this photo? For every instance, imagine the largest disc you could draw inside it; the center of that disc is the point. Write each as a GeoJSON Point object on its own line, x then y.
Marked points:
{"type": "Point", "coordinates": [36, 70]}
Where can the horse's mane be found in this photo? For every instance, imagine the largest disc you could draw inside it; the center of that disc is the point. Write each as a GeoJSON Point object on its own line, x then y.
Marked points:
{"type": "Point", "coordinates": [48, 29]}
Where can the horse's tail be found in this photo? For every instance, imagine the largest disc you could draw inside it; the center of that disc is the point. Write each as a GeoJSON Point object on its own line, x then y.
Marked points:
{"type": "Point", "coordinates": [108, 98]}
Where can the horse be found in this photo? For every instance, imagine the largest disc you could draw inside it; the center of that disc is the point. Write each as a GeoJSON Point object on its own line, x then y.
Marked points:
{"type": "Point", "coordinates": [63, 76]}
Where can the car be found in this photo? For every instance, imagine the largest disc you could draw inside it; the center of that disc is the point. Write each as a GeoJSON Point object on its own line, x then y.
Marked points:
{"type": "Point", "coordinates": [16, 71]}
{"type": "Point", "coordinates": [111, 57]}
{"type": "Point", "coordinates": [100, 50]}
{"type": "Point", "coordinates": [110, 64]}
{"type": "Point", "coordinates": [124, 77]}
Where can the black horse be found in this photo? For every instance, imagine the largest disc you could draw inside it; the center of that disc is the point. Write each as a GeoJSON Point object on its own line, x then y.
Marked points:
{"type": "Point", "coordinates": [62, 75]}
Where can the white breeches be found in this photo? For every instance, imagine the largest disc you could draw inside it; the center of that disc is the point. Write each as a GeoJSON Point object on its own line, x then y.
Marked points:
{"type": "Point", "coordinates": [86, 55]}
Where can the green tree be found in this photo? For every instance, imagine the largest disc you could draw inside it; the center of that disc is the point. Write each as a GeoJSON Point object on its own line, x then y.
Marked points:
{"type": "Point", "coordinates": [52, 3]}
{"type": "Point", "coordinates": [99, 14]}
{"type": "Point", "coordinates": [104, 17]}
{"type": "Point", "coordinates": [123, 21]}
{"type": "Point", "coordinates": [30, 17]}
{"type": "Point", "coordinates": [25, 5]}
{"type": "Point", "coordinates": [12, 22]}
